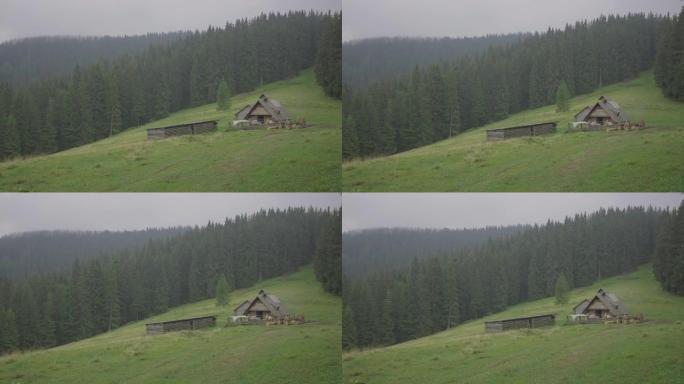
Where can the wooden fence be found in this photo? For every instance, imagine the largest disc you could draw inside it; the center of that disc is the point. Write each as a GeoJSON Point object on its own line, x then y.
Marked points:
{"type": "Point", "coordinates": [195, 128]}
{"type": "Point", "coordinates": [520, 322]}
{"type": "Point", "coordinates": [181, 325]}
{"type": "Point", "coordinates": [521, 131]}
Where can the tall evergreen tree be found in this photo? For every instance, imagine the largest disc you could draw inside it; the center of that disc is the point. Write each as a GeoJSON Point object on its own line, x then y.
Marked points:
{"type": "Point", "coordinates": [223, 96]}
{"type": "Point", "coordinates": [563, 97]}
{"type": "Point", "coordinates": [562, 289]}
{"type": "Point", "coordinates": [222, 291]}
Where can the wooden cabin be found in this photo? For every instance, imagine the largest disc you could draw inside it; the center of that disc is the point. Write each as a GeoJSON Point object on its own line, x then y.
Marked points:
{"type": "Point", "coordinates": [194, 128]}
{"type": "Point", "coordinates": [520, 323]}
{"type": "Point", "coordinates": [604, 112]}
{"type": "Point", "coordinates": [180, 325]}
{"type": "Point", "coordinates": [603, 305]}
{"type": "Point", "coordinates": [263, 306]}
{"type": "Point", "coordinates": [520, 131]}
{"type": "Point", "coordinates": [266, 111]}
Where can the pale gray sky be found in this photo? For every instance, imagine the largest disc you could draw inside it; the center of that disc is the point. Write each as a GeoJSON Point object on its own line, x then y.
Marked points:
{"type": "Point", "coordinates": [118, 211]}
{"type": "Point", "coordinates": [458, 18]}
{"type": "Point", "coordinates": [473, 210]}
{"type": "Point", "coordinates": [26, 18]}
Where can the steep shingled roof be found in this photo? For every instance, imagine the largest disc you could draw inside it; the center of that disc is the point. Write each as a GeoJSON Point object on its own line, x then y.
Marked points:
{"type": "Point", "coordinates": [271, 302]}
{"type": "Point", "coordinates": [609, 300]}
{"type": "Point", "coordinates": [611, 107]}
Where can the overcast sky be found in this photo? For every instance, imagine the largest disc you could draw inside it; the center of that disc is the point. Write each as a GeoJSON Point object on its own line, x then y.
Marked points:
{"type": "Point", "coordinates": [25, 18]}
{"type": "Point", "coordinates": [458, 18]}
{"type": "Point", "coordinates": [118, 211]}
{"type": "Point", "coordinates": [474, 210]}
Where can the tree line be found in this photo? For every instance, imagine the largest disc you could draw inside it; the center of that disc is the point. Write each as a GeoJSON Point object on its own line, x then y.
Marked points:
{"type": "Point", "coordinates": [438, 292]}
{"type": "Point", "coordinates": [389, 249]}
{"type": "Point", "coordinates": [668, 260]}
{"type": "Point", "coordinates": [437, 101]}
{"type": "Point", "coordinates": [107, 97]}
{"type": "Point", "coordinates": [669, 63]}
{"type": "Point", "coordinates": [103, 293]}
{"type": "Point", "coordinates": [40, 252]}
{"type": "Point", "coordinates": [23, 61]}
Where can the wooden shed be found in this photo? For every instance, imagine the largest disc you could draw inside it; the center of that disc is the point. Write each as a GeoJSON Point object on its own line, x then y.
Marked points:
{"type": "Point", "coordinates": [521, 131]}
{"type": "Point", "coordinates": [263, 306]}
{"type": "Point", "coordinates": [181, 325]}
{"type": "Point", "coordinates": [520, 322]}
{"type": "Point", "coordinates": [265, 111]}
{"type": "Point", "coordinates": [194, 128]}
{"type": "Point", "coordinates": [603, 305]}
{"type": "Point", "coordinates": [604, 112]}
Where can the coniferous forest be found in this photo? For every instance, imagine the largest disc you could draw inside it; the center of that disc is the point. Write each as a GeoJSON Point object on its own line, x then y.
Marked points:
{"type": "Point", "coordinates": [669, 64]}
{"type": "Point", "coordinates": [668, 261]}
{"type": "Point", "coordinates": [107, 97]}
{"type": "Point", "coordinates": [105, 292]}
{"type": "Point", "coordinates": [438, 292]}
{"type": "Point", "coordinates": [437, 101]}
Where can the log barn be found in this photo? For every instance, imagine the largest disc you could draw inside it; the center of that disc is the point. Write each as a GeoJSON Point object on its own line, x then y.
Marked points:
{"type": "Point", "coordinates": [263, 306]}
{"type": "Point", "coordinates": [194, 128]}
{"type": "Point", "coordinates": [521, 131]}
{"type": "Point", "coordinates": [604, 112]}
{"type": "Point", "coordinates": [603, 305]}
{"type": "Point", "coordinates": [520, 323]}
{"type": "Point", "coordinates": [266, 111]}
{"type": "Point", "coordinates": [181, 325]}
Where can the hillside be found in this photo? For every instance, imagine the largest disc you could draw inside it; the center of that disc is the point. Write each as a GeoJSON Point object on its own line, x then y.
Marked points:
{"type": "Point", "coordinates": [250, 354]}
{"type": "Point", "coordinates": [264, 160]}
{"type": "Point", "coordinates": [645, 160]}
{"type": "Point", "coordinates": [648, 352]}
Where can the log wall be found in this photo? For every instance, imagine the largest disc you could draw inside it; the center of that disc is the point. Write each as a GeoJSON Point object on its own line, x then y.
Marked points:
{"type": "Point", "coordinates": [520, 323]}
{"type": "Point", "coordinates": [181, 325]}
{"type": "Point", "coordinates": [521, 131]}
{"type": "Point", "coordinates": [195, 128]}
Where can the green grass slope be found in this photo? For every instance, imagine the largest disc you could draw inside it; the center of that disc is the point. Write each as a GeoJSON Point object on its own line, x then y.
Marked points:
{"type": "Point", "coordinates": [650, 352]}
{"type": "Point", "coordinates": [645, 160]}
{"type": "Point", "coordinates": [247, 354]}
{"type": "Point", "coordinates": [274, 160]}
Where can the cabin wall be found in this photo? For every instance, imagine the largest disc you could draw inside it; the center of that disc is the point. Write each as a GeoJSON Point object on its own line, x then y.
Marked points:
{"type": "Point", "coordinates": [179, 130]}
{"type": "Point", "coordinates": [523, 131]}
{"type": "Point", "coordinates": [180, 325]}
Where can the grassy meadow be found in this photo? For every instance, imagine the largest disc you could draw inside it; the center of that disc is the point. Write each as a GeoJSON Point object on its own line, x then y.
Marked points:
{"type": "Point", "coordinates": [649, 352]}
{"type": "Point", "coordinates": [236, 354]}
{"type": "Point", "coordinates": [645, 160]}
{"type": "Point", "coordinates": [259, 160]}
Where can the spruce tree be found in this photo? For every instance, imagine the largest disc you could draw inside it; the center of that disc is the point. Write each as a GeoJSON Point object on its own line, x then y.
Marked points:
{"type": "Point", "coordinates": [387, 325]}
{"type": "Point", "coordinates": [223, 96]}
{"type": "Point", "coordinates": [562, 290]}
{"type": "Point", "coordinates": [222, 291]}
{"type": "Point", "coordinates": [562, 97]}
{"type": "Point", "coordinates": [349, 337]}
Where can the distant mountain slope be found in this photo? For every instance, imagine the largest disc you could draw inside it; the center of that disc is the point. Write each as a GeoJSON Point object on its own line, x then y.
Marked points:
{"type": "Point", "coordinates": [369, 60]}
{"type": "Point", "coordinates": [384, 249]}
{"type": "Point", "coordinates": [642, 160]}
{"type": "Point", "coordinates": [635, 353]}
{"type": "Point", "coordinates": [248, 354]}
{"type": "Point", "coordinates": [25, 60]}
{"type": "Point", "coordinates": [260, 160]}
{"type": "Point", "coordinates": [33, 253]}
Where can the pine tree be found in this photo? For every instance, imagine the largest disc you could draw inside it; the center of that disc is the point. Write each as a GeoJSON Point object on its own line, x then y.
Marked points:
{"type": "Point", "coordinates": [350, 141]}
{"type": "Point", "coordinates": [10, 140]}
{"type": "Point", "coordinates": [46, 326]}
{"type": "Point", "coordinates": [563, 97]}
{"type": "Point", "coordinates": [222, 291]}
{"type": "Point", "coordinates": [387, 325]}
{"type": "Point", "coordinates": [10, 337]}
{"type": "Point", "coordinates": [223, 96]}
{"type": "Point", "coordinates": [562, 289]}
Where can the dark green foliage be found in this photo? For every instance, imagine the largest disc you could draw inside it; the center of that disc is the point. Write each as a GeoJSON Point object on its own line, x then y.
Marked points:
{"type": "Point", "coordinates": [107, 290]}
{"type": "Point", "coordinates": [669, 63]}
{"type": "Point", "coordinates": [222, 291]}
{"type": "Point", "coordinates": [563, 97]}
{"type": "Point", "coordinates": [441, 288]}
{"type": "Point", "coordinates": [348, 329]}
{"type": "Point", "coordinates": [328, 258]}
{"type": "Point", "coordinates": [106, 97]}
{"type": "Point", "coordinates": [435, 101]}
{"type": "Point", "coordinates": [668, 260]}
{"type": "Point", "coordinates": [223, 96]}
{"type": "Point", "coordinates": [562, 289]}
{"type": "Point", "coordinates": [328, 66]}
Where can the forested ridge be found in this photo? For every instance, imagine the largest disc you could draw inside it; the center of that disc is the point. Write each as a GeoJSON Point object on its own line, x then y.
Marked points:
{"type": "Point", "coordinates": [369, 60]}
{"type": "Point", "coordinates": [102, 293]}
{"type": "Point", "coordinates": [390, 249]}
{"type": "Point", "coordinates": [435, 293]}
{"type": "Point", "coordinates": [669, 64]}
{"type": "Point", "coordinates": [437, 101]}
{"type": "Point", "coordinates": [104, 98]}
{"type": "Point", "coordinates": [39, 252]}
{"type": "Point", "coordinates": [668, 260]}
{"type": "Point", "coordinates": [23, 61]}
